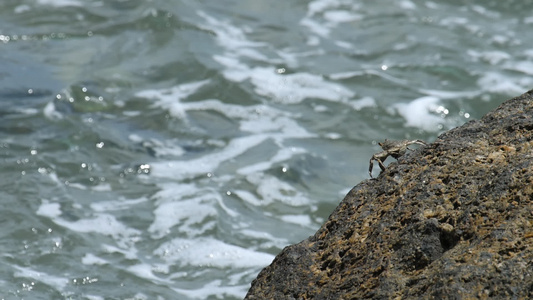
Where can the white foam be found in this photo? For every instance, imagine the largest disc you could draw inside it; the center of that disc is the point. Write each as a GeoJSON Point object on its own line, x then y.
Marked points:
{"type": "Point", "coordinates": [78, 186]}
{"type": "Point", "coordinates": [225, 208]}
{"type": "Point", "coordinates": [161, 148]}
{"type": "Point", "coordinates": [274, 124]}
{"type": "Point", "coordinates": [92, 297]}
{"type": "Point", "coordinates": [249, 197]}
{"type": "Point", "coordinates": [191, 214]}
{"type": "Point", "coordinates": [199, 204]}
{"type": "Point", "coordinates": [528, 20]}
{"type": "Point", "coordinates": [525, 67]}
{"type": "Point", "coordinates": [290, 59]}
{"type": "Point", "coordinates": [50, 210]}
{"type": "Point", "coordinates": [234, 37]}
{"type": "Point", "coordinates": [102, 187]}
{"type": "Point", "coordinates": [263, 121]}
{"type": "Point", "coordinates": [454, 21]}
{"type": "Point", "coordinates": [303, 220]}
{"type": "Point", "coordinates": [181, 169]}
{"type": "Point", "coordinates": [101, 223]}
{"type": "Point", "coordinates": [272, 189]}
{"type": "Point", "coordinates": [169, 99]}
{"type": "Point", "coordinates": [380, 73]}
{"type": "Point", "coordinates": [229, 110]}
{"type": "Point", "coordinates": [420, 113]}
{"type": "Point", "coordinates": [146, 271]}
{"type": "Point", "coordinates": [51, 113]}
{"type": "Point", "coordinates": [290, 88]}
{"type": "Point", "coordinates": [135, 138]}
{"type": "Point", "coordinates": [492, 57]}
{"type": "Point", "coordinates": [282, 155]}
{"type": "Point", "coordinates": [294, 88]}
{"type": "Point", "coordinates": [142, 270]}
{"type": "Point", "coordinates": [58, 283]}
{"type": "Point", "coordinates": [265, 240]}
{"type": "Point", "coordinates": [333, 135]}
{"type": "Point", "coordinates": [406, 4]}
{"type": "Point", "coordinates": [208, 252]}
{"type": "Point", "coordinates": [344, 44]}
{"type": "Point", "coordinates": [484, 11]}
{"type": "Point", "coordinates": [318, 6]}
{"type": "Point", "coordinates": [440, 94]}
{"type": "Point", "coordinates": [235, 70]}
{"type": "Point", "coordinates": [122, 204]}
{"type": "Point", "coordinates": [324, 15]}
{"type": "Point", "coordinates": [167, 191]}
{"type": "Point", "coordinates": [104, 224]}
{"type": "Point", "coordinates": [362, 103]}
{"type": "Point", "coordinates": [214, 289]}
{"type": "Point", "coordinates": [313, 40]}
{"type": "Point", "coordinates": [132, 113]}
{"type": "Point", "coordinates": [341, 16]}
{"type": "Point", "coordinates": [60, 3]}
{"type": "Point", "coordinates": [284, 88]}
{"type": "Point", "coordinates": [22, 8]}
{"type": "Point", "coordinates": [27, 111]}
{"type": "Point", "coordinates": [315, 27]}
{"type": "Point", "coordinates": [252, 53]}
{"type": "Point", "coordinates": [129, 253]}
{"type": "Point", "coordinates": [346, 75]}
{"type": "Point", "coordinates": [91, 259]}
{"type": "Point", "coordinates": [495, 82]}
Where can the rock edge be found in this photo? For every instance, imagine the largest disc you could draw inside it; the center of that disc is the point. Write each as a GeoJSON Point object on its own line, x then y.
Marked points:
{"type": "Point", "coordinates": [453, 219]}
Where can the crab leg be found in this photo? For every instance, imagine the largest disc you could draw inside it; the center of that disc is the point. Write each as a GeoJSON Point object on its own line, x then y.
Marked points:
{"type": "Point", "coordinates": [371, 166]}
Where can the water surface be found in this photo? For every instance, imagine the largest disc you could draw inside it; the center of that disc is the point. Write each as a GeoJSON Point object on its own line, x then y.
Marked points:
{"type": "Point", "coordinates": [170, 149]}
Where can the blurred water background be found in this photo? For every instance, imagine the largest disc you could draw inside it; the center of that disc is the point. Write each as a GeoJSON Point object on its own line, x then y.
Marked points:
{"type": "Point", "coordinates": [170, 149]}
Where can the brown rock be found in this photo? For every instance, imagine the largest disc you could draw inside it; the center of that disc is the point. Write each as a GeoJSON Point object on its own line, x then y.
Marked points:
{"type": "Point", "coordinates": [453, 219]}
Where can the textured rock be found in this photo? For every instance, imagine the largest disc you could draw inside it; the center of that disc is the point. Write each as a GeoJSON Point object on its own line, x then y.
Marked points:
{"type": "Point", "coordinates": [453, 219]}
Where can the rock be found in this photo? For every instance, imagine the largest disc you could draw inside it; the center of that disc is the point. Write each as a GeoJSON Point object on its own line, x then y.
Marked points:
{"type": "Point", "coordinates": [453, 219]}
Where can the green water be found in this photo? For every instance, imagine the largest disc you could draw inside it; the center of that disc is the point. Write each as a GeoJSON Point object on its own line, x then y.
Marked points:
{"type": "Point", "coordinates": [169, 150]}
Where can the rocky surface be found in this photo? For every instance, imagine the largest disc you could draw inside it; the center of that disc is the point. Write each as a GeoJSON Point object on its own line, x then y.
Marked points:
{"type": "Point", "coordinates": [453, 219]}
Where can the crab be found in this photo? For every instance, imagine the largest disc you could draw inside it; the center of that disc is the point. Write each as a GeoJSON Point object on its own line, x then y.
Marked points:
{"type": "Point", "coordinates": [395, 149]}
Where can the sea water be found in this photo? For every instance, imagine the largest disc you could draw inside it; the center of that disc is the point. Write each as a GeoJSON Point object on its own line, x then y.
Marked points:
{"type": "Point", "coordinates": [170, 149]}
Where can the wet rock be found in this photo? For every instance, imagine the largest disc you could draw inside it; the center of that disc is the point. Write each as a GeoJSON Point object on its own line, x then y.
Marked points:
{"type": "Point", "coordinates": [453, 219]}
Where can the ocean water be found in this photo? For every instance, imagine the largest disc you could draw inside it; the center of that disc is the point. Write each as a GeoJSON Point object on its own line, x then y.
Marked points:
{"type": "Point", "coordinates": [170, 149]}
